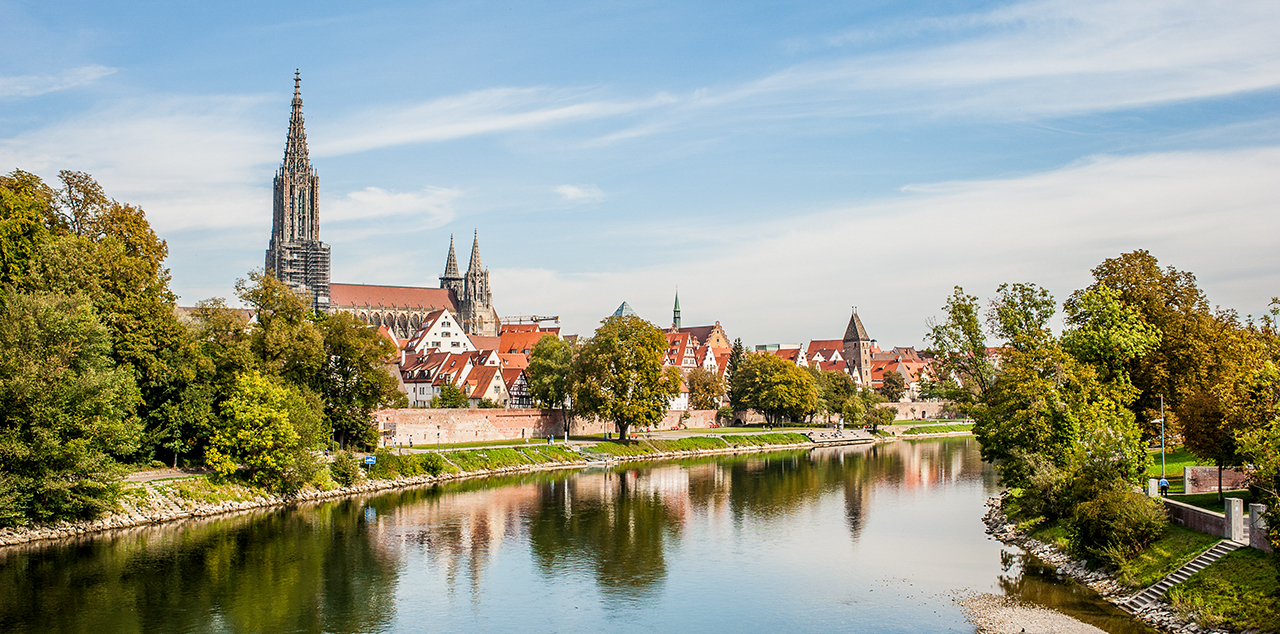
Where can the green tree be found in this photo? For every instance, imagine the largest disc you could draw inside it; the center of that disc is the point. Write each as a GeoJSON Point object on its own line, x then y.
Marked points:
{"type": "Point", "coordinates": [450, 397]}
{"type": "Point", "coordinates": [1018, 310]}
{"type": "Point", "coordinates": [260, 436]}
{"type": "Point", "coordinates": [284, 339]}
{"type": "Point", "coordinates": [893, 386]}
{"type": "Point", "coordinates": [355, 378]}
{"type": "Point", "coordinates": [620, 377]}
{"type": "Point", "coordinates": [736, 354]}
{"type": "Point", "coordinates": [550, 374]}
{"type": "Point", "coordinates": [877, 416]}
{"type": "Point", "coordinates": [964, 371]}
{"type": "Point", "coordinates": [706, 388]}
{"type": "Point", "coordinates": [1106, 334]}
{"type": "Point", "coordinates": [66, 410]}
{"type": "Point", "coordinates": [776, 388]}
{"type": "Point", "coordinates": [26, 215]}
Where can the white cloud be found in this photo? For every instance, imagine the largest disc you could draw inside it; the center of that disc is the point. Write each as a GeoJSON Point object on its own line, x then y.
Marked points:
{"type": "Point", "coordinates": [34, 85]}
{"type": "Point", "coordinates": [578, 194]}
{"type": "Point", "coordinates": [190, 162]}
{"type": "Point", "coordinates": [480, 112]}
{"type": "Point", "coordinates": [432, 207]}
{"type": "Point", "coordinates": [1211, 213]}
{"type": "Point", "coordinates": [1047, 58]}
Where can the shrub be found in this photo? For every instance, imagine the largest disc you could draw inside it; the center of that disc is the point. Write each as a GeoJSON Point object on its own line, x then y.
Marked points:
{"type": "Point", "coordinates": [344, 469]}
{"type": "Point", "coordinates": [1116, 525]}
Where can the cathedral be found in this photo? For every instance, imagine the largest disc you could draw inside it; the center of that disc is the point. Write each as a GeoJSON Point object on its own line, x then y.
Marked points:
{"type": "Point", "coordinates": [297, 257]}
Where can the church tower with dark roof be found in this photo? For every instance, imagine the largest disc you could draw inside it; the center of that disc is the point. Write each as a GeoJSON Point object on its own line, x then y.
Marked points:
{"type": "Point", "coordinates": [452, 280]}
{"type": "Point", "coordinates": [475, 305]}
{"type": "Point", "coordinates": [295, 255]}
{"type": "Point", "coordinates": [857, 350]}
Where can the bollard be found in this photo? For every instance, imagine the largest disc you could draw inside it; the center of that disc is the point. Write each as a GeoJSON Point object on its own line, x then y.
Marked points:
{"type": "Point", "coordinates": [1235, 520]}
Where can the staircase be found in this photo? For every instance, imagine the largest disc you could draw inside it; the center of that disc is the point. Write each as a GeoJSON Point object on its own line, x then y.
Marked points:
{"type": "Point", "coordinates": [1137, 602]}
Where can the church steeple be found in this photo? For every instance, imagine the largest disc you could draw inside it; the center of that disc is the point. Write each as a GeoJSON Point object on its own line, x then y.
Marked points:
{"type": "Point", "coordinates": [452, 280]}
{"type": "Point", "coordinates": [295, 255]}
{"type": "Point", "coordinates": [675, 313]}
{"type": "Point", "coordinates": [475, 255]}
{"type": "Point", "coordinates": [451, 266]}
{"type": "Point", "coordinates": [296, 160]}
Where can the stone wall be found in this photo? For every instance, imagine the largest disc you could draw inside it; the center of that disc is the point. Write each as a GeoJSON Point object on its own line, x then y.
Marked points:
{"type": "Point", "coordinates": [428, 426]}
{"type": "Point", "coordinates": [1196, 518]}
{"type": "Point", "coordinates": [1205, 479]}
{"type": "Point", "coordinates": [1258, 537]}
{"type": "Point", "coordinates": [916, 410]}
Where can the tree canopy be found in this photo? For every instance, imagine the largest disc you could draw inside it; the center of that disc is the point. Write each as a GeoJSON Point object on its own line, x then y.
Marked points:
{"type": "Point", "coordinates": [620, 377]}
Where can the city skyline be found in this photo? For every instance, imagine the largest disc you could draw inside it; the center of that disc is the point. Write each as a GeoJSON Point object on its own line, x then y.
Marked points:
{"type": "Point", "coordinates": [758, 157]}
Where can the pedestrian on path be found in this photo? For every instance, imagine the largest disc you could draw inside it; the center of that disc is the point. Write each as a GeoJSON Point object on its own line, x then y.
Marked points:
{"type": "Point", "coordinates": [1164, 487]}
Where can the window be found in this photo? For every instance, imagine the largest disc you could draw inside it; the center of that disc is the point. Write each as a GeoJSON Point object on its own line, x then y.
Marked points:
{"type": "Point", "coordinates": [435, 344]}
{"type": "Point", "coordinates": [444, 334]}
{"type": "Point", "coordinates": [454, 344]}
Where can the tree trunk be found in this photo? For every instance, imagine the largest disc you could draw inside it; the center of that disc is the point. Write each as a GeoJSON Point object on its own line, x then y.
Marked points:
{"type": "Point", "coordinates": [1184, 488]}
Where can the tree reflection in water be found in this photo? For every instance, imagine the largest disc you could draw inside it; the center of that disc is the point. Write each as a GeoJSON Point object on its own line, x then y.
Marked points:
{"type": "Point", "coordinates": [230, 574]}
{"type": "Point", "coordinates": [615, 523]}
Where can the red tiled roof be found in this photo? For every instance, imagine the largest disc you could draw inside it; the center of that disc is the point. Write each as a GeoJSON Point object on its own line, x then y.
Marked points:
{"type": "Point", "coordinates": [484, 343]}
{"type": "Point", "coordinates": [514, 360]}
{"type": "Point", "coordinates": [825, 344]}
{"type": "Point", "coordinates": [480, 379]}
{"type": "Point", "coordinates": [388, 296]}
{"type": "Point", "coordinates": [510, 376]}
{"type": "Point", "coordinates": [520, 342]}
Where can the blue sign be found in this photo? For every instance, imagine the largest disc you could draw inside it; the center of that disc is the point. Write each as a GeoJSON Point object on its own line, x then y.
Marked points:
{"type": "Point", "coordinates": [370, 459]}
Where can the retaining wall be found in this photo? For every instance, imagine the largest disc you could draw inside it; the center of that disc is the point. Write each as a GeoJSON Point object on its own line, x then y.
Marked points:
{"type": "Point", "coordinates": [1258, 528]}
{"type": "Point", "coordinates": [916, 410]}
{"type": "Point", "coordinates": [1196, 518]}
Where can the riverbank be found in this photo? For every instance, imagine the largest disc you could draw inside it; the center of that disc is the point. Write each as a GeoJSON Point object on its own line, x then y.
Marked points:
{"type": "Point", "coordinates": [994, 614]}
{"type": "Point", "coordinates": [1159, 614]}
{"type": "Point", "coordinates": [167, 501]}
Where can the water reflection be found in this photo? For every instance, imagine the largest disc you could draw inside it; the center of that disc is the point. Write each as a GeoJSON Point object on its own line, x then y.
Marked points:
{"type": "Point", "coordinates": [853, 538]}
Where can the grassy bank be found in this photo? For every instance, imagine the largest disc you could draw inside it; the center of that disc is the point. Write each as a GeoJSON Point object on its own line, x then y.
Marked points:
{"type": "Point", "coordinates": [1239, 591]}
{"type": "Point", "coordinates": [938, 429]}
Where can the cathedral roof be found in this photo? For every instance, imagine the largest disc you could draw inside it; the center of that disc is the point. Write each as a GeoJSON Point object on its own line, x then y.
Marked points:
{"type": "Point", "coordinates": [624, 310]}
{"type": "Point", "coordinates": [360, 295]}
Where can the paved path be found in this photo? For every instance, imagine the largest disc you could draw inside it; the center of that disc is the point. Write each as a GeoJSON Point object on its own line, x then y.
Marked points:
{"type": "Point", "coordinates": [164, 474]}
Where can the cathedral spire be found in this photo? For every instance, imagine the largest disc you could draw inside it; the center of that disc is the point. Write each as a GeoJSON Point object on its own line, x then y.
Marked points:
{"type": "Point", "coordinates": [475, 255]}
{"type": "Point", "coordinates": [451, 266]}
{"type": "Point", "coordinates": [675, 313]}
{"type": "Point", "coordinates": [296, 160]}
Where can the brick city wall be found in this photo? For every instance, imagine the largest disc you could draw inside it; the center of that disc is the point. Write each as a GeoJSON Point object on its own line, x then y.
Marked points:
{"type": "Point", "coordinates": [427, 426]}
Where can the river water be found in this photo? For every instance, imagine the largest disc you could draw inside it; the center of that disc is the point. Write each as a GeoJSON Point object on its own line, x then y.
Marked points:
{"type": "Point", "coordinates": [851, 539]}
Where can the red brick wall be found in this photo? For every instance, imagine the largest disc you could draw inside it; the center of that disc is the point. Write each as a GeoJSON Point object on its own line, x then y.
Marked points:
{"type": "Point", "coordinates": [425, 426]}
{"type": "Point", "coordinates": [1205, 479]}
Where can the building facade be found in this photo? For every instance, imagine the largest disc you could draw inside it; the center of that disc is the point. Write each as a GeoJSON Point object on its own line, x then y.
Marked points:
{"type": "Point", "coordinates": [295, 255]}
{"type": "Point", "coordinates": [857, 351]}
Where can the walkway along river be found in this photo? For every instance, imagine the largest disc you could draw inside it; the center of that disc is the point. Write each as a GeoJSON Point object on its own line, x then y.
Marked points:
{"type": "Point", "coordinates": [879, 538]}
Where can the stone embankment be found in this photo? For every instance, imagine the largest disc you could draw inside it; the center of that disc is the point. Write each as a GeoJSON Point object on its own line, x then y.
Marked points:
{"type": "Point", "coordinates": [1158, 614]}
{"type": "Point", "coordinates": [164, 503]}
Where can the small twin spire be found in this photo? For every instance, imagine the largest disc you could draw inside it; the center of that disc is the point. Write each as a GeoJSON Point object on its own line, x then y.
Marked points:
{"type": "Point", "coordinates": [475, 255]}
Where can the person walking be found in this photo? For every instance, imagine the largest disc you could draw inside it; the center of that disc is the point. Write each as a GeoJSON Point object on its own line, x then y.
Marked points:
{"type": "Point", "coordinates": [1164, 487]}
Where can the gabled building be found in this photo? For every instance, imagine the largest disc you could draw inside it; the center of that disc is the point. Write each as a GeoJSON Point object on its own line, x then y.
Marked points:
{"type": "Point", "coordinates": [439, 330]}
{"type": "Point", "coordinates": [485, 382]}
{"type": "Point", "coordinates": [517, 388]}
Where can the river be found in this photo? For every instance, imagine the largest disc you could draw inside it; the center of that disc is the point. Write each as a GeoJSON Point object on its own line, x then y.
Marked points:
{"type": "Point", "coordinates": [846, 539]}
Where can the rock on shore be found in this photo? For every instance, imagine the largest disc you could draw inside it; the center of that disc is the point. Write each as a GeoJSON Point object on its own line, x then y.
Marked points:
{"type": "Point", "coordinates": [1159, 614]}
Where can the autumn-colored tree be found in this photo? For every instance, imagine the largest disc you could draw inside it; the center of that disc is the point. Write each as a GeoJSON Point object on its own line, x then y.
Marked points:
{"type": "Point", "coordinates": [706, 389]}
{"type": "Point", "coordinates": [776, 388]}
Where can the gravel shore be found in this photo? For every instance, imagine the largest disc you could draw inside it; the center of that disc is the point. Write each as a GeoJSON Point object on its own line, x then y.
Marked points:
{"type": "Point", "coordinates": [993, 614]}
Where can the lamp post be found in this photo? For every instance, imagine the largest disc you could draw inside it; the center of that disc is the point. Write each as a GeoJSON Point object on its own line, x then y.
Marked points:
{"type": "Point", "coordinates": [1162, 435]}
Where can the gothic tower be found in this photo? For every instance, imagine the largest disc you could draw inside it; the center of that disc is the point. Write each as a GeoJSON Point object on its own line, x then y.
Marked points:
{"type": "Point", "coordinates": [857, 351]}
{"type": "Point", "coordinates": [452, 280]}
{"type": "Point", "coordinates": [476, 303]}
{"type": "Point", "coordinates": [295, 255]}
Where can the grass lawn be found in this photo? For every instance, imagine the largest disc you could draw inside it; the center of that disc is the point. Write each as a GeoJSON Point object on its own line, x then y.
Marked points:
{"type": "Point", "coordinates": [1210, 500]}
{"type": "Point", "coordinates": [1175, 458]}
{"type": "Point", "coordinates": [1055, 534]}
{"type": "Point", "coordinates": [1239, 591]}
{"type": "Point", "coordinates": [1178, 546]}
{"type": "Point", "coordinates": [480, 443]}
{"type": "Point", "coordinates": [938, 429]}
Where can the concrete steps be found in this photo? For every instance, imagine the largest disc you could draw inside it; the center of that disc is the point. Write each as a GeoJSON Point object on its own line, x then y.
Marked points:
{"type": "Point", "coordinates": [1148, 596]}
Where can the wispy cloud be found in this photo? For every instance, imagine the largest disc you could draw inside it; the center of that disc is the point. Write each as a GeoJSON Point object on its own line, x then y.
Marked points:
{"type": "Point", "coordinates": [579, 194]}
{"type": "Point", "coordinates": [34, 85]}
{"type": "Point", "coordinates": [1046, 58]}
{"type": "Point", "coordinates": [434, 205]}
{"type": "Point", "coordinates": [480, 112]}
{"type": "Point", "coordinates": [1212, 213]}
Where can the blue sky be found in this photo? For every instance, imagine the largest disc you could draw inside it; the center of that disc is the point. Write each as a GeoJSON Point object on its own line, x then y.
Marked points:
{"type": "Point", "coordinates": [778, 162]}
